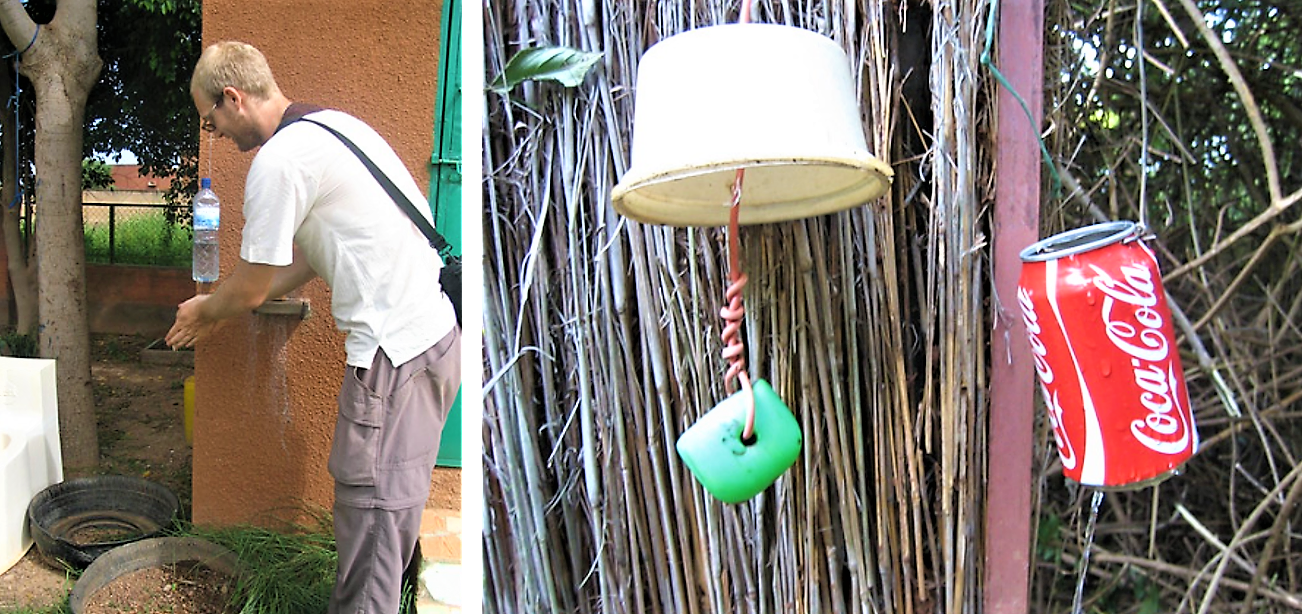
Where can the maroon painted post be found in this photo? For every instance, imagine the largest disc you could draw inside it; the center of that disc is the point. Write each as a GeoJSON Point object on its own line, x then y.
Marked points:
{"type": "Point", "coordinates": [1016, 225]}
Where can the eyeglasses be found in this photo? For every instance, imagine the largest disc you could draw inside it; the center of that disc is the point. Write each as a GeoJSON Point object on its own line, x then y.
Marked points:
{"type": "Point", "coordinates": [205, 122]}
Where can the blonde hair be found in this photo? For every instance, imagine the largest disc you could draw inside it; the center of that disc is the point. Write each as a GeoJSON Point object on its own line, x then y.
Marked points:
{"type": "Point", "coordinates": [233, 64]}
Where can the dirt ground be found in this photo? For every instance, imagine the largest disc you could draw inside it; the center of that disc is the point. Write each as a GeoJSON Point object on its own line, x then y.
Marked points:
{"type": "Point", "coordinates": [141, 433]}
{"type": "Point", "coordinates": [171, 589]}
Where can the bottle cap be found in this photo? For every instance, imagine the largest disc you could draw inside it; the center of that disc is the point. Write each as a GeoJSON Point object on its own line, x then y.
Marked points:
{"type": "Point", "coordinates": [205, 183]}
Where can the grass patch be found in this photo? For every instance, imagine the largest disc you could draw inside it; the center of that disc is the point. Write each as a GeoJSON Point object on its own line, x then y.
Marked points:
{"type": "Point", "coordinates": [58, 608]}
{"type": "Point", "coordinates": [290, 570]}
{"type": "Point", "coordinates": [286, 571]}
{"type": "Point", "coordinates": [144, 239]}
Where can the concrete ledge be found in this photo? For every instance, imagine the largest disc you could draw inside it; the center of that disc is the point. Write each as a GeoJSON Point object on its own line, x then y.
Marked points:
{"type": "Point", "coordinates": [157, 353]}
{"type": "Point", "coordinates": [300, 308]}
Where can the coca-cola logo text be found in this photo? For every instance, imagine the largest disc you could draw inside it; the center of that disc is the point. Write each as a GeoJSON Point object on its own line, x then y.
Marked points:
{"type": "Point", "coordinates": [1065, 451]}
{"type": "Point", "coordinates": [1045, 372]}
{"type": "Point", "coordinates": [1032, 321]}
{"type": "Point", "coordinates": [1149, 349]}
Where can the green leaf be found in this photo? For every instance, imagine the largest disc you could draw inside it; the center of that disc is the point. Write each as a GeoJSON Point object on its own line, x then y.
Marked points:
{"type": "Point", "coordinates": [561, 64]}
{"type": "Point", "coordinates": [1048, 544]}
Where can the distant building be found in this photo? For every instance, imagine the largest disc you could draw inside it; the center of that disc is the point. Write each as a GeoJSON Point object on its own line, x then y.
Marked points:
{"type": "Point", "coordinates": [127, 177]}
{"type": "Point", "coordinates": [129, 188]}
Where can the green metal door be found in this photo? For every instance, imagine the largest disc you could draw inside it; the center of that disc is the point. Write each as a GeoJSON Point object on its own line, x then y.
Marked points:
{"type": "Point", "coordinates": [445, 180]}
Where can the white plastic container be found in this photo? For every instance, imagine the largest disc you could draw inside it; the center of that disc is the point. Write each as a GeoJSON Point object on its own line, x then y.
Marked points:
{"type": "Point", "coordinates": [30, 456]}
{"type": "Point", "coordinates": [776, 100]}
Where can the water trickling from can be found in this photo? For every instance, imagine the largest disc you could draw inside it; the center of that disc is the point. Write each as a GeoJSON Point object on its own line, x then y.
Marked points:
{"type": "Point", "coordinates": [1095, 503]}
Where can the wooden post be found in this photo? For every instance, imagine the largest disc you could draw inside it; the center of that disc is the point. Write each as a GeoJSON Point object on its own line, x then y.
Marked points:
{"type": "Point", "coordinates": [1016, 224]}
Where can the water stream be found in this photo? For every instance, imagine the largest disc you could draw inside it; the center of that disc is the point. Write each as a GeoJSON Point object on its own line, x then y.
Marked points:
{"type": "Point", "coordinates": [270, 344]}
{"type": "Point", "coordinates": [1095, 503]}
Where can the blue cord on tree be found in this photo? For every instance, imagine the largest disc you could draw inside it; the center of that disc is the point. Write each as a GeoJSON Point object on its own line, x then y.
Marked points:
{"type": "Point", "coordinates": [29, 43]}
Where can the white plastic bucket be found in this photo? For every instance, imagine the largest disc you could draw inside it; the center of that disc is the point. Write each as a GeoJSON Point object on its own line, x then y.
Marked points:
{"type": "Point", "coordinates": [15, 484]}
{"type": "Point", "coordinates": [776, 100]}
{"type": "Point", "coordinates": [30, 454]}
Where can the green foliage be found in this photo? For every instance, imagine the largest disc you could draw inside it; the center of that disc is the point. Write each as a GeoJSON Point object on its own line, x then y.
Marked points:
{"type": "Point", "coordinates": [1204, 161]}
{"type": "Point", "coordinates": [142, 102]}
{"type": "Point", "coordinates": [1147, 594]}
{"type": "Point", "coordinates": [561, 64]}
{"type": "Point", "coordinates": [95, 175]}
{"type": "Point", "coordinates": [149, 239]}
{"type": "Point", "coordinates": [1105, 120]}
{"type": "Point", "coordinates": [1048, 540]}
{"type": "Point", "coordinates": [161, 7]}
{"type": "Point", "coordinates": [18, 345]}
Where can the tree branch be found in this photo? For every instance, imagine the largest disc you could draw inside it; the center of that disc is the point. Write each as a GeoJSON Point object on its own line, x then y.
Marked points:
{"type": "Point", "coordinates": [1245, 95]}
{"type": "Point", "coordinates": [18, 25]}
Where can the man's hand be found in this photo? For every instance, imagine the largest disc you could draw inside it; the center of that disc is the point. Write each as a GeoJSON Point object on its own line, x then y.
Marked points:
{"type": "Point", "coordinates": [247, 287]}
{"type": "Point", "coordinates": [190, 326]}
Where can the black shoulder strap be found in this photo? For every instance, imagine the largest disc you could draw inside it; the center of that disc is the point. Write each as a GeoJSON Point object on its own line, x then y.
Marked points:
{"type": "Point", "coordinates": [436, 240]}
{"type": "Point", "coordinates": [295, 112]}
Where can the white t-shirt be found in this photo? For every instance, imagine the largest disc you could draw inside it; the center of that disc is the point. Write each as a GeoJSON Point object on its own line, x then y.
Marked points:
{"type": "Point", "coordinates": [306, 188]}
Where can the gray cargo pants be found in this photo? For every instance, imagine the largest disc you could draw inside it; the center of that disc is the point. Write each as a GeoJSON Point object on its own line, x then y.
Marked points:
{"type": "Point", "coordinates": [385, 444]}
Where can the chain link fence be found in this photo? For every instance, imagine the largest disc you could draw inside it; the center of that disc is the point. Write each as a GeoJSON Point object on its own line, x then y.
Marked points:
{"type": "Point", "coordinates": [137, 234]}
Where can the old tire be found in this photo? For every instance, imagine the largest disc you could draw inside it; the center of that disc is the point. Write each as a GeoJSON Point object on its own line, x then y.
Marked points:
{"type": "Point", "coordinates": [147, 553]}
{"type": "Point", "coordinates": [75, 521]}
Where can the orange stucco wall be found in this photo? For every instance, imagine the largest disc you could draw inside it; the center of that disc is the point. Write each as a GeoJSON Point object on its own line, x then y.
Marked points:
{"type": "Point", "coordinates": [266, 385]}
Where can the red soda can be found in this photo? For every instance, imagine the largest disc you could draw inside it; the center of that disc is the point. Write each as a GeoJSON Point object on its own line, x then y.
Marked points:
{"type": "Point", "coordinates": [1105, 355]}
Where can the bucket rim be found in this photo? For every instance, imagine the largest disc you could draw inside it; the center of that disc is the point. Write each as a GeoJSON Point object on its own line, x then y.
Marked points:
{"type": "Point", "coordinates": [636, 178]}
{"type": "Point", "coordinates": [630, 200]}
{"type": "Point", "coordinates": [728, 29]}
{"type": "Point", "coordinates": [1079, 241]}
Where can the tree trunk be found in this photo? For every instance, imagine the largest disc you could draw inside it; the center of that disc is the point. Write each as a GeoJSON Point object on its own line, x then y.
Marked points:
{"type": "Point", "coordinates": [20, 267]}
{"type": "Point", "coordinates": [62, 63]}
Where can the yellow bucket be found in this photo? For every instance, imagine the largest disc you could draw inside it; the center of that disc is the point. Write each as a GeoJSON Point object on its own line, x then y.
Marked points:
{"type": "Point", "coordinates": [188, 396]}
{"type": "Point", "coordinates": [778, 101]}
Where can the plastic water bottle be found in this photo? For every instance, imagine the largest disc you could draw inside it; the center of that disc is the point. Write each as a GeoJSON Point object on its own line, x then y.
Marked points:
{"type": "Point", "coordinates": [207, 217]}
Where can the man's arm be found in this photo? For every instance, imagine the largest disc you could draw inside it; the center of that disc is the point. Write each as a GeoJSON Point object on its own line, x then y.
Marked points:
{"type": "Point", "coordinates": [247, 287]}
{"type": "Point", "coordinates": [291, 277]}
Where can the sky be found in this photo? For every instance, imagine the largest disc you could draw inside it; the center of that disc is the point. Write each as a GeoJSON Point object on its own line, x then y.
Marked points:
{"type": "Point", "coordinates": [124, 157]}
